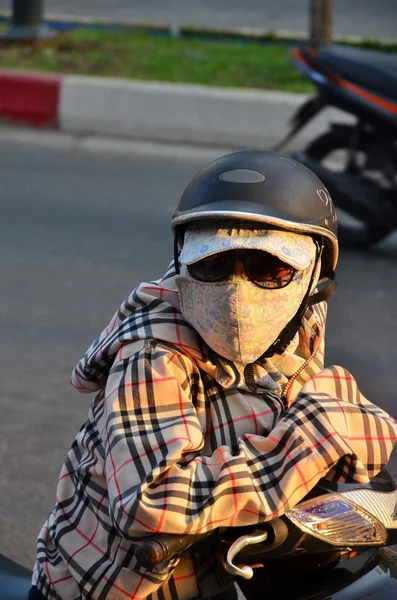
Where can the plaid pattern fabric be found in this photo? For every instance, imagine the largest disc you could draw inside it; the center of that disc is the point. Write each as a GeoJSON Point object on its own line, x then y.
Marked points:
{"type": "Point", "coordinates": [177, 441]}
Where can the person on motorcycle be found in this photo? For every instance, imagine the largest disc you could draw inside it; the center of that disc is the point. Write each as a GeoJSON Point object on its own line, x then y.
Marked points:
{"type": "Point", "coordinates": [213, 407]}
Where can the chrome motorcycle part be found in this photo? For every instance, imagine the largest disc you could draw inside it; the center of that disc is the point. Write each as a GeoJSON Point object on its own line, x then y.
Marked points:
{"type": "Point", "coordinates": [244, 571]}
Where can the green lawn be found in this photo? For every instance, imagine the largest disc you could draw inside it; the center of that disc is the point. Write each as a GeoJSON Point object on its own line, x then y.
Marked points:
{"type": "Point", "coordinates": [143, 56]}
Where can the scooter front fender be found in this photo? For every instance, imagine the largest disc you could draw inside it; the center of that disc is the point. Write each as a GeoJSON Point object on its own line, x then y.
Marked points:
{"type": "Point", "coordinates": [371, 575]}
{"type": "Point", "coordinates": [379, 583]}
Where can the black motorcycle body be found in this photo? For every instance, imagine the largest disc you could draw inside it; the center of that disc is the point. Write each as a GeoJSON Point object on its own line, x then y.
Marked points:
{"type": "Point", "coordinates": [287, 563]}
{"type": "Point", "coordinates": [372, 575]}
{"type": "Point", "coordinates": [362, 83]}
{"type": "Point", "coordinates": [15, 580]}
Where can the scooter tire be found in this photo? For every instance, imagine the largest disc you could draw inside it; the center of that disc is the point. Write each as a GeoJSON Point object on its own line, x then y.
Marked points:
{"type": "Point", "coordinates": [353, 237]}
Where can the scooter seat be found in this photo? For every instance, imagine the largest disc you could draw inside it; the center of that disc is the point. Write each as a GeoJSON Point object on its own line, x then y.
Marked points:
{"type": "Point", "coordinates": [375, 71]}
{"type": "Point", "coordinates": [15, 580]}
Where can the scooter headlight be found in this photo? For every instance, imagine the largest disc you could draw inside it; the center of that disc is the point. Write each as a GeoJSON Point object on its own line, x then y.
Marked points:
{"type": "Point", "coordinates": [337, 520]}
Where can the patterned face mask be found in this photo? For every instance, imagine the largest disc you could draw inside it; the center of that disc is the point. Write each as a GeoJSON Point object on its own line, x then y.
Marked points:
{"type": "Point", "coordinates": [236, 318]}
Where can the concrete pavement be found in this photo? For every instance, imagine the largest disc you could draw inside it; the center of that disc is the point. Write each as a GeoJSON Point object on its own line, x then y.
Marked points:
{"type": "Point", "coordinates": [355, 17]}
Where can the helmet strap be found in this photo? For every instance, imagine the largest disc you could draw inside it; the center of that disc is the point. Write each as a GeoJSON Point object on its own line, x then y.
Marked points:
{"type": "Point", "coordinates": [176, 253]}
{"type": "Point", "coordinates": [326, 292]}
{"type": "Point", "coordinates": [292, 328]}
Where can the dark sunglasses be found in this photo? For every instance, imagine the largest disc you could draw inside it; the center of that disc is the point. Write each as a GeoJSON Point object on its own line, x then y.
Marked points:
{"type": "Point", "coordinates": [263, 269]}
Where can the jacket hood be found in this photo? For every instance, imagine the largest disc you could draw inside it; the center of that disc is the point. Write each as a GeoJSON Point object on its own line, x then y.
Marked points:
{"type": "Point", "coordinates": [152, 311]}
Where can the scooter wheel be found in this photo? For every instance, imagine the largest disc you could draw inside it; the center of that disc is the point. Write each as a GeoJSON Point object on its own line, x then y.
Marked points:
{"type": "Point", "coordinates": [328, 149]}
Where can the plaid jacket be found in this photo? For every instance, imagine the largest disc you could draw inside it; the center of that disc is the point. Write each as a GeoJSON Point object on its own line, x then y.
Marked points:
{"type": "Point", "coordinates": [178, 440]}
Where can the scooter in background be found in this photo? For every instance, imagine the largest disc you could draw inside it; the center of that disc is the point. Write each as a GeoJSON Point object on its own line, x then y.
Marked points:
{"type": "Point", "coordinates": [357, 162]}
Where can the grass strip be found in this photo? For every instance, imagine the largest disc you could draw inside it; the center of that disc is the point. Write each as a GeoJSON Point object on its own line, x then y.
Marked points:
{"type": "Point", "coordinates": [139, 55]}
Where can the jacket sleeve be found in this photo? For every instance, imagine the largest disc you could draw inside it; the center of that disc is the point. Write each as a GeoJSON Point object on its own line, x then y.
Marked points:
{"type": "Point", "coordinates": [158, 481]}
{"type": "Point", "coordinates": [360, 431]}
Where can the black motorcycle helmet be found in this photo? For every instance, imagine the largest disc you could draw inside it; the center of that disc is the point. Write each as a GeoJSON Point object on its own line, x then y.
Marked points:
{"type": "Point", "coordinates": [266, 188]}
{"type": "Point", "coordinates": [269, 189]}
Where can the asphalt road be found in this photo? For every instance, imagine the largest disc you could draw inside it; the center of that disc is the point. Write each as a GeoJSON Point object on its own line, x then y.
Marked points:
{"type": "Point", "coordinates": [352, 17]}
{"type": "Point", "coordinates": [79, 227]}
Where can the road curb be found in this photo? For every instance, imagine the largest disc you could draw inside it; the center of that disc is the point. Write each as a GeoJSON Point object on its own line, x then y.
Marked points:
{"type": "Point", "coordinates": [147, 110]}
{"type": "Point", "coordinates": [31, 98]}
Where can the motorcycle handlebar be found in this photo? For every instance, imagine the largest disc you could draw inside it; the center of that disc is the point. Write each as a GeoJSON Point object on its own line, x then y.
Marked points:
{"type": "Point", "coordinates": [154, 550]}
